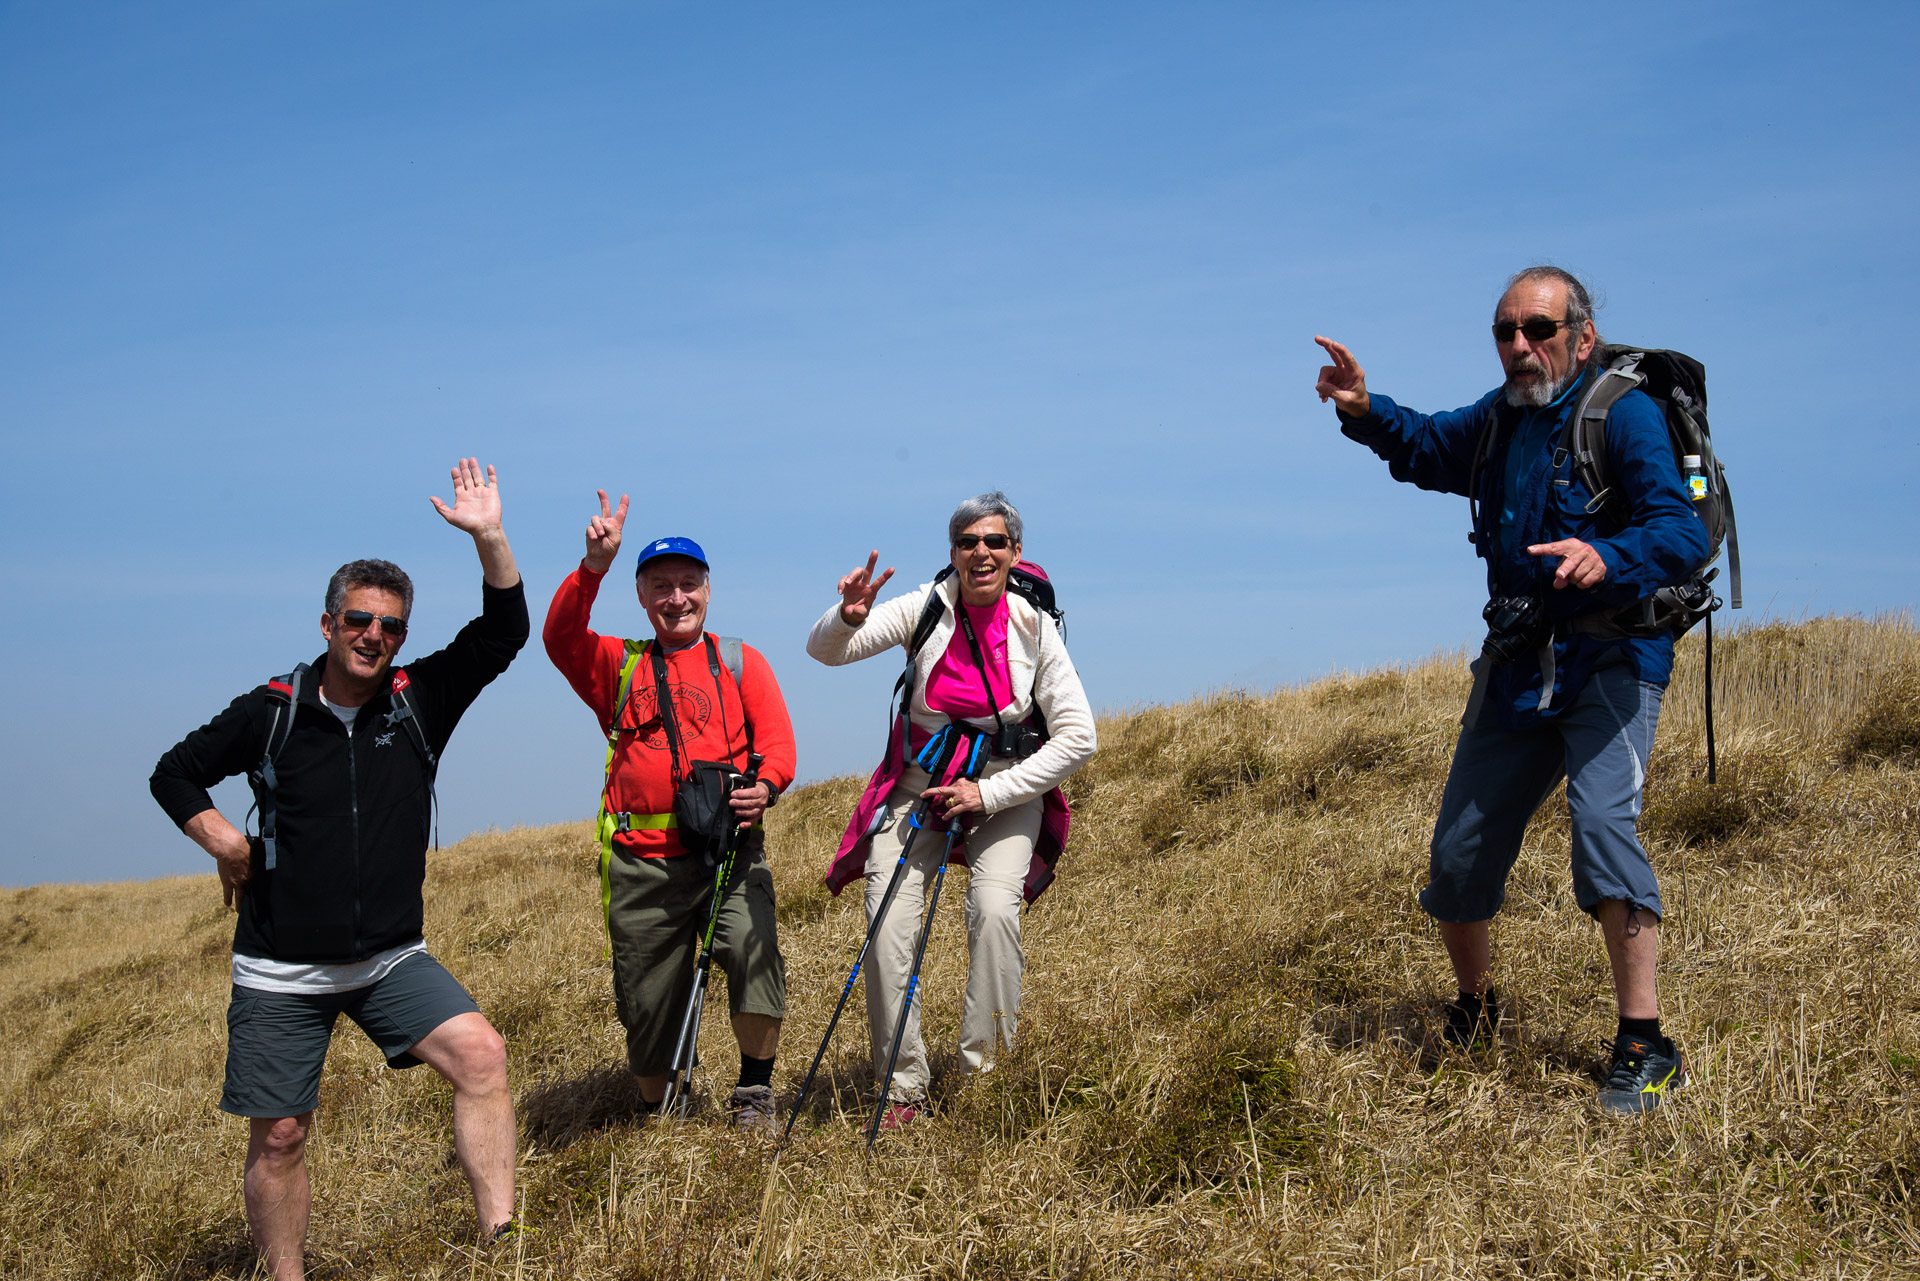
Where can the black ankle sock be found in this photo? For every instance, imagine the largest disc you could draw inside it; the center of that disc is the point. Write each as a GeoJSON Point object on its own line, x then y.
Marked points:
{"type": "Point", "coordinates": [1473, 1005]}
{"type": "Point", "coordinates": [1646, 1030]}
{"type": "Point", "coordinates": [756, 1071]}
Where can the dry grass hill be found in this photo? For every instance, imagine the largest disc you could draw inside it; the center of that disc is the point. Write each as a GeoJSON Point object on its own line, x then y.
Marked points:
{"type": "Point", "coordinates": [1228, 1063]}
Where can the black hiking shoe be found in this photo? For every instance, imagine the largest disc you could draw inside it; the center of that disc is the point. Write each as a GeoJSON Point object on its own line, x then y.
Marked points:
{"type": "Point", "coordinates": [1472, 1024]}
{"type": "Point", "coordinates": [1641, 1075]}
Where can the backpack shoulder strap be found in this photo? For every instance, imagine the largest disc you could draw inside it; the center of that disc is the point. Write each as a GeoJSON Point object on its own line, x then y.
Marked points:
{"type": "Point", "coordinates": [1585, 437]}
{"type": "Point", "coordinates": [733, 654]}
{"type": "Point", "coordinates": [405, 713]}
{"type": "Point", "coordinates": [629, 664]}
{"type": "Point", "coordinates": [283, 694]}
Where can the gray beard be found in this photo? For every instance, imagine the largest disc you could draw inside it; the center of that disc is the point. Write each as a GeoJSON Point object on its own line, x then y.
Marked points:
{"type": "Point", "coordinates": [1537, 395]}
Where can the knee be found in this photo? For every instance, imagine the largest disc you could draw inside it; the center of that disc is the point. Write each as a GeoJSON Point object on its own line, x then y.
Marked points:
{"type": "Point", "coordinates": [281, 1141]}
{"type": "Point", "coordinates": [480, 1058]}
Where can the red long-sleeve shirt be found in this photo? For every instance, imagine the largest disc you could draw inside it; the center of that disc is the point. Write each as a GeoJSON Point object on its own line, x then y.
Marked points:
{"type": "Point", "coordinates": [712, 728]}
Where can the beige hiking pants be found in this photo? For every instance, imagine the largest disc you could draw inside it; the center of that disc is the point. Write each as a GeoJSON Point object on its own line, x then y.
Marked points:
{"type": "Point", "coordinates": [999, 848]}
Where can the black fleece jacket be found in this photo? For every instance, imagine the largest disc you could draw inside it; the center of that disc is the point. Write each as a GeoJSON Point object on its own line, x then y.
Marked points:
{"type": "Point", "coordinates": [353, 809]}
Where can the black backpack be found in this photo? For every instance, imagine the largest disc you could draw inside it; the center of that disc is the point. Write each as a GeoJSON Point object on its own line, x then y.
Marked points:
{"type": "Point", "coordinates": [283, 693]}
{"type": "Point", "coordinates": [1025, 580]}
{"type": "Point", "coordinates": [1678, 384]}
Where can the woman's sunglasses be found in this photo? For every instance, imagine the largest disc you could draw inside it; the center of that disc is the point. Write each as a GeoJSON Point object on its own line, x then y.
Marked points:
{"type": "Point", "coordinates": [967, 542]}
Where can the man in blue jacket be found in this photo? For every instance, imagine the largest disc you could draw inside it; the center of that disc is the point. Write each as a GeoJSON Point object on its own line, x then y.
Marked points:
{"type": "Point", "coordinates": [1559, 692]}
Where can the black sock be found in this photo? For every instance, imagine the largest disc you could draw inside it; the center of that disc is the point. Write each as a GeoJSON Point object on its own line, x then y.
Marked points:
{"type": "Point", "coordinates": [1647, 1030]}
{"type": "Point", "coordinates": [756, 1071]}
{"type": "Point", "coordinates": [1473, 1005]}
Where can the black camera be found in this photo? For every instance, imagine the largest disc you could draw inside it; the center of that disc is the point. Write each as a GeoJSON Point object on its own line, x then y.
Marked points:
{"type": "Point", "coordinates": [1018, 741]}
{"type": "Point", "coordinates": [1516, 627]}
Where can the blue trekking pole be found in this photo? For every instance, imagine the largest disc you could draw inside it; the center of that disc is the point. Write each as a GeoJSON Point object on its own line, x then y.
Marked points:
{"type": "Point", "coordinates": [934, 759]}
{"type": "Point", "coordinates": [974, 763]}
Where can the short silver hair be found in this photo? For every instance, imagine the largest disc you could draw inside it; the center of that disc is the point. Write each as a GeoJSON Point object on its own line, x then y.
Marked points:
{"type": "Point", "coordinates": [381, 574]}
{"type": "Point", "coordinates": [1580, 306]}
{"type": "Point", "coordinates": [979, 507]}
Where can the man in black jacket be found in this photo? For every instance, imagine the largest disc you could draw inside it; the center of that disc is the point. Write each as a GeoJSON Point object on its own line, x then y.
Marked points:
{"type": "Point", "coordinates": [330, 911]}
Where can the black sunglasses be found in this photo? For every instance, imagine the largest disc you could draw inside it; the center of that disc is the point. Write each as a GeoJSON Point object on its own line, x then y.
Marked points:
{"type": "Point", "coordinates": [1535, 330]}
{"type": "Point", "coordinates": [967, 542]}
{"type": "Point", "coordinates": [359, 620]}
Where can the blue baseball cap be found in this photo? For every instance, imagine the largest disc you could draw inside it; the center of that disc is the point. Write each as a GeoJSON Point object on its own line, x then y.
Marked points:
{"type": "Point", "coordinates": [670, 547]}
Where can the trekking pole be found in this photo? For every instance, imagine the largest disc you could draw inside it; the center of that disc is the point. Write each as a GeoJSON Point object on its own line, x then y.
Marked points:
{"type": "Point", "coordinates": [974, 762]}
{"type": "Point", "coordinates": [686, 1046]}
{"type": "Point", "coordinates": [934, 758]}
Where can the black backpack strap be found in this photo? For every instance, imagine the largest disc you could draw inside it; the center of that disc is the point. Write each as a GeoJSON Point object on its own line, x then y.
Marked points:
{"type": "Point", "coordinates": [902, 695]}
{"type": "Point", "coordinates": [283, 693]}
{"type": "Point", "coordinates": [1733, 547]}
{"type": "Point", "coordinates": [1476, 474]}
{"type": "Point", "coordinates": [663, 702]}
{"type": "Point", "coordinates": [405, 712]}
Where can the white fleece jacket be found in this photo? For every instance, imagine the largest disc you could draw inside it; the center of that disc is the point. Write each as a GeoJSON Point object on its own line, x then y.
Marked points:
{"type": "Point", "coordinates": [1037, 662]}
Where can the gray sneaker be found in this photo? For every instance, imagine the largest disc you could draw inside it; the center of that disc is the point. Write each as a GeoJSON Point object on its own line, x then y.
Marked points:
{"type": "Point", "coordinates": [751, 1107]}
{"type": "Point", "coordinates": [1642, 1075]}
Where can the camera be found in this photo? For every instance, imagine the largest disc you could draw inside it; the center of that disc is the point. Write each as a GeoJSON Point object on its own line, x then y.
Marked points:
{"type": "Point", "coordinates": [1516, 627]}
{"type": "Point", "coordinates": [1018, 741]}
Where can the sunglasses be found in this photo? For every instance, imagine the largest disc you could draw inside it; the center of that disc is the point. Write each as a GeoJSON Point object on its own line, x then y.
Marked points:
{"type": "Point", "coordinates": [967, 542]}
{"type": "Point", "coordinates": [359, 620]}
{"type": "Point", "coordinates": [1535, 330]}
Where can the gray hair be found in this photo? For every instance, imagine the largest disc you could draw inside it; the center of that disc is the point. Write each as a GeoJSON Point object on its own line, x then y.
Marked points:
{"type": "Point", "coordinates": [979, 507]}
{"type": "Point", "coordinates": [1580, 307]}
{"type": "Point", "coordinates": [381, 574]}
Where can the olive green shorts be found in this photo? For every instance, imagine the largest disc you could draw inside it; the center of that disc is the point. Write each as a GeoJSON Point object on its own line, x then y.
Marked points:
{"type": "Point", "coordinates": [656, 911]}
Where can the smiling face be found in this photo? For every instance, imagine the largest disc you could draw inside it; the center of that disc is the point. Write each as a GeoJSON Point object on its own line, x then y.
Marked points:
{"type": "Point", "coordinates": [983, 571]}
{"type": "Point", "coordinates": [358, 657]}
{"type": "Point", "coordinates": [1539, 371]}
{"type": "Point", "coordinates": [674, 592]}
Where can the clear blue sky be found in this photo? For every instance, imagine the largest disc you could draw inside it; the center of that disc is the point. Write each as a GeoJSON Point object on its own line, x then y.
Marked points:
{"type": "Point", "coordinates": [800, 277]}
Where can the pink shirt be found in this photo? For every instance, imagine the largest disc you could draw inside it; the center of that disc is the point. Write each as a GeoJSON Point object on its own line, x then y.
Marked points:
{"type": "Point", "coordinates": [954, 686]}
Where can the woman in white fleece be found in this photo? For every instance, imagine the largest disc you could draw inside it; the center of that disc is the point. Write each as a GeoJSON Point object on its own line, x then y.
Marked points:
{"type": "Point", "coordinates": [1019, 676]}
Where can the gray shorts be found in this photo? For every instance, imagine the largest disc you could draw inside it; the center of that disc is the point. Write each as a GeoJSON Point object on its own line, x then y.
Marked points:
{"type": "Point", "coordinates": [277, 1041]}
{"type": "Point", "coordinates": [1499, 777]}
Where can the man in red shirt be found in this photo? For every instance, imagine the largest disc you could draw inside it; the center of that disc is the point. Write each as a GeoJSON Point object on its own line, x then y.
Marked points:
{"type": "Point", "coordinates": [725, 704]}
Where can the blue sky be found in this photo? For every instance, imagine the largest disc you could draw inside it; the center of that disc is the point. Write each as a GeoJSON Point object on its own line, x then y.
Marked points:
{"type": "Point", "coordinates": [799, 278]}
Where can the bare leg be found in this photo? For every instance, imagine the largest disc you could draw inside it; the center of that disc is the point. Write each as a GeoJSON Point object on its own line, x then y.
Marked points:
{"type": "Point", "coordinates": [1470, 947]}
{"type": "Point", "coordinates": [469, 1053]}
{"type": "Point", "coordinates": [278, 1194]}
{"type": "Point", "coordinates": [758, 1034]}
{"type": "Point", "coordinates": [653, 1088]}
{"type": "Point", "coordinates": [1633, 949]}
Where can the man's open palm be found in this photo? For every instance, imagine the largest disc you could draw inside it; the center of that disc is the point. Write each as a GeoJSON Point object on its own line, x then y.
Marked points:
{"type": "Point", "coordinates": [476, 498]}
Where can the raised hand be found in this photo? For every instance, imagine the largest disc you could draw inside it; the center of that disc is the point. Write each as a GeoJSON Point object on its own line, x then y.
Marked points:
{"type": "Point", "coordinates": [858, 589]}
{"type": "Point", "coordinates": [1343, 382]}
{"type": "Point", "coordinates": [603, 534]}
{"type": "Point", "coordinates": [476, 499]}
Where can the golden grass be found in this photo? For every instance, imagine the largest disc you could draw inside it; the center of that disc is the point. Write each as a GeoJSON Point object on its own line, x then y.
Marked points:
{"type": "Point", "coordinates": [1228, 1064]}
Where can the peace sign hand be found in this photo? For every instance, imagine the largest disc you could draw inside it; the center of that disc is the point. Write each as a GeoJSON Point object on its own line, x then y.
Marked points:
{"type": "Point", "coordinates": [858, 589]}
{"type": "Point", "coordinates": [603, 534]}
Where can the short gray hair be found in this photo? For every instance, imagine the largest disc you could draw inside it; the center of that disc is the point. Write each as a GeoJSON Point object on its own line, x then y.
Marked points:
{"type": "Point", "coordinates": [381, 574]}
{"type": "Point", "coordinates": [979, 507]}
{"type": "Point", "coordinates": [1580, 306]}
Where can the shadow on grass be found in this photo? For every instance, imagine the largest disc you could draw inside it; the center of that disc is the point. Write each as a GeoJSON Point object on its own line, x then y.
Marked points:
{"type": "Point", "coordinates": [1412, 1027]}
{"type": "Point", "coordinates": [559, 1113]}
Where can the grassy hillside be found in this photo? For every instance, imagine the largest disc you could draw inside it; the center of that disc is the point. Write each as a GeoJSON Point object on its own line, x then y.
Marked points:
{"type": "Point", "coordinates": [1228, 1062]}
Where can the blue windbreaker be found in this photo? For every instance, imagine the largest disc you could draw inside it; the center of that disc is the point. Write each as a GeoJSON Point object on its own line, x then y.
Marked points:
{"type": "Point", "coordinates": [1661, 544]}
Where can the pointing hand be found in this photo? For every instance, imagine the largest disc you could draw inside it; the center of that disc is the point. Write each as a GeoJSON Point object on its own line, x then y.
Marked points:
{"type": "Point", "coordinates": [1343, 382]}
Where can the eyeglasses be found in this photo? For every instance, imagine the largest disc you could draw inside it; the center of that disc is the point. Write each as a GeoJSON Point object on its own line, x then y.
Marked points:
{"type": "Point", "coordinates": [1536, 330]}
{"type": "Point", "coordinates": [967, 542]}
{"type": "Point", "coordinates": [359, 620]}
